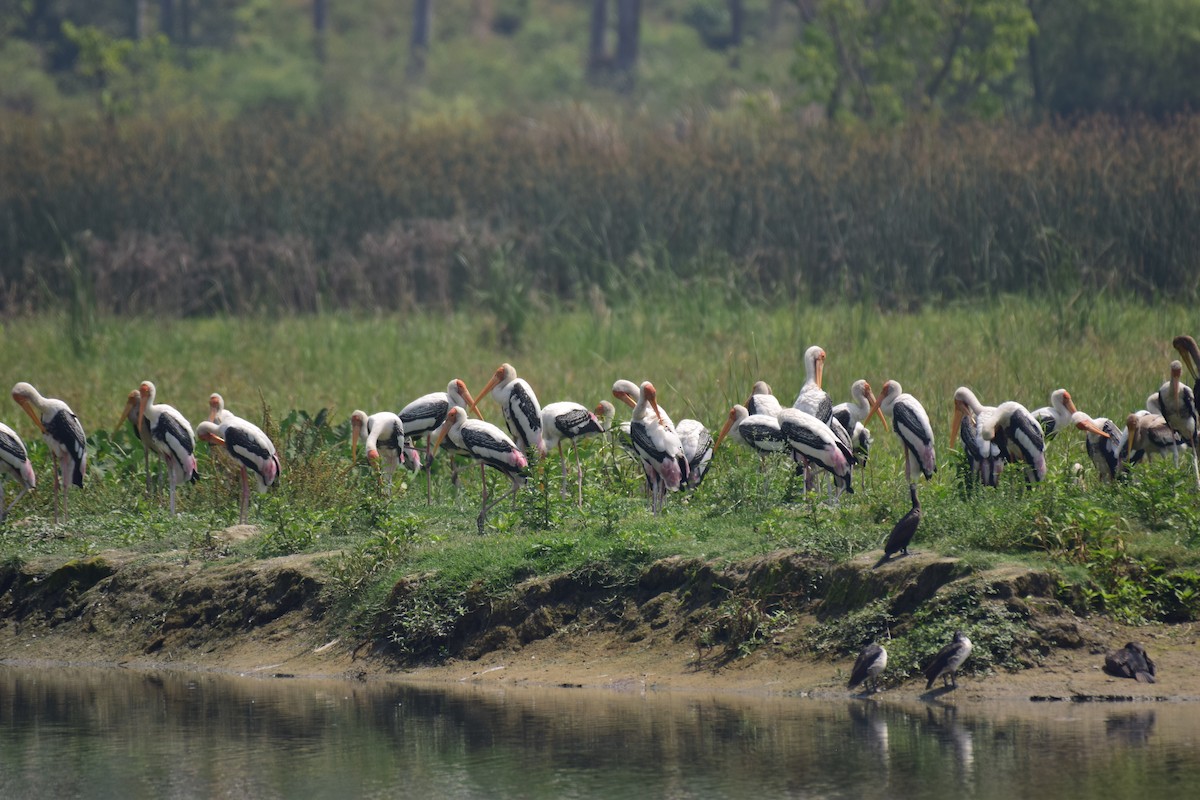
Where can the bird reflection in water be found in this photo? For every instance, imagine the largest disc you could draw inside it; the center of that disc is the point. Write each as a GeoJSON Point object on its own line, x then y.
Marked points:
{"type": "Point", "coordinates": [1132, 729]}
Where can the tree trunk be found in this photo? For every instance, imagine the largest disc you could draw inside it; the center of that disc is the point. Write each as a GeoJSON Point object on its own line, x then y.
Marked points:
{"type": "Point", "coordinates": [1036, 78]}
{"type": "Point", "coordinates": [737, 22]}
{"type": "Point", "coordinates": [597, 58]}
{"type": "Point", "coordinates": [482, 14]}
{"type": "Point", "coordinates": [629, 24]}
{"type": "Point", "coordinates": [137, 20]}
{"type": "Point", "coordinates": [422, 31]}
{"type": "Point", "coordinates": [166, 18]}
{"type": "Point", "coordinates": [320, 11]}
{"type": "Point", "coordinates": [185, 22]}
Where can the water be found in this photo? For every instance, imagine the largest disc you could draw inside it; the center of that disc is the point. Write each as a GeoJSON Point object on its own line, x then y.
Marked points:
{"type": "Point", "coordinates": [115, 733]}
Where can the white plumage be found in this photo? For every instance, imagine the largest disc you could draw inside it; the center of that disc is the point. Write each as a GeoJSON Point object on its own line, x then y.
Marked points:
{"type": "Point", "coordinates": [63, 435]}
{"type": "Point", "coordinates": [14, 463]}
{"type": "Point", "coordinates": [911, 424]}
{"type": "Point", "coordinates": [170, 435]}
{"type": "Point", "coordinates": [519, 405]}
{"type": "Point", "coordinates": [249, 447]}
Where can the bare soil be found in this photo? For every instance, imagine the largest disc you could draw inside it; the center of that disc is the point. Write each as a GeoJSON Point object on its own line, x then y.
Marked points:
{"type": "Point", "coordinates": [272, 618]}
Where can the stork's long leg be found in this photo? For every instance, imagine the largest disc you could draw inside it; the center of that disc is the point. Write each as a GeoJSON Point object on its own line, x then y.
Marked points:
{"type": "Point", "coordinates": [171, 486]}
{"type": "Point", "coordinates": [244, 506]}
{"type": "Point", "coordinates": [54, 460]}
{"type": "Point", "coordinates": [579, 469]}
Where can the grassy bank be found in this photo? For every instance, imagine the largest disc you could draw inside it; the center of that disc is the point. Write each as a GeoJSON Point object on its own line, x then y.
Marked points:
{"type": "Point", "coordinates": [1129, 550]}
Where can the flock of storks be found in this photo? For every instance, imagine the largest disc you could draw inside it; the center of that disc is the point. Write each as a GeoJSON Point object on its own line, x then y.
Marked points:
{"type": "Point", "coordinates": [815, 433]}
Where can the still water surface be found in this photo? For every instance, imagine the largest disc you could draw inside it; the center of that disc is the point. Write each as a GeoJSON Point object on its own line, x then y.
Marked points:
{"type": "Point", "coordinates": [115, 733]}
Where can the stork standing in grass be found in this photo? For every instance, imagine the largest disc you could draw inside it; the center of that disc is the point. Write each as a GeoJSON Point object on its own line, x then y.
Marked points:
{"type": "Point", "coordinates": [853, 416]}
{"type": "Point", "coordinates": [488, 445]}
{"type": "Point", "coordinates": [384, 441]}
{"type": "Point", "coordinates": [519, 405]}
{"type": "Point", "coordinates": [249, 447]}
{"type": "Point", "coordinates": [569, 421]}
{"type": "Point", "coordinates": [1178, 404]}
{"type": "Point", "coordinates": [983, 457]}
{"type": "Point", "coordinates": [424, 416]}
{"type": "Point", "coordinates": [170, 435]}
{"type": "Point", "coordinates": [658, 446]}
{"type": "Point", "coordinates": [759, 432]}
{"type": "Point", "coordinates": [911, 424]}
{"type": "Point", "coordinates": [1019, 436]}
{"type": "Point", "coordinates": [14, 462]}
{"type": "Point", "coordinates": [142, 431]}
{"type": "Point", "coordinates": [812, 442]}
{"type": "Point", "coordinates": [63, 435]}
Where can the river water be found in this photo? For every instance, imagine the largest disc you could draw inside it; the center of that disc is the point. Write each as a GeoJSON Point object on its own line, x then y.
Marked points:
{"type": "Point", "coordinates": [67, 732]}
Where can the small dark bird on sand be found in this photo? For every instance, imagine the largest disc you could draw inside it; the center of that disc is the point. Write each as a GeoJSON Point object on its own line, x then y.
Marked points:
{"type": "Point", "coordinates": [946, 663]}
{"type": "Point", "coordinates": [872, 660]}
{"type": "Point", "coordinates": [1130, 661]}
{"type": "Point", "coordinates": [904, 530]}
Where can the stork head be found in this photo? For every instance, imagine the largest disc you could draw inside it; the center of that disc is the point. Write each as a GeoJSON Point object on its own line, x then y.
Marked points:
{"type": "Point", "coordinates": [890, 390]}
{"type": "Point", "coordinates": [760, 387]}
{"type": "Point", "coordinates": [358, 421]}
{"type": "Point", "coordinates": [814, 362]}
{"type": "Point", "coordinates": [131, 402]}
{"type": "Point", "coordinates": [737, 413]}
{"type": "Point", "coordinates": [28, 398]}
{"type": "Point", "coordinates": [145, 397]}
{"type": "Point", "coordinates": [625, 391]}
{"type": "Point", "coordinates": [1131, 423]}
{"type": "Point", "coordinates": [503, 374]}
{"type": "Point", "coordinates": [1189, 352]}
{"type": "Point", "coordinates": [454, 417]}
{"type": "Point", "coordinates": [1176, 374]}
{"type": "Point", "coordinates": [1085, 423]}
{"type": "Point", "coordinates": [604, 412]}
{"type": "Point", "coordinates": [461, 396]}
{"type": "Point", "coordinates": [216, 404]}
{"type": "Point", "coordinates": [209, 432]}
{"type": "Point", "coordinates": [651, 395]}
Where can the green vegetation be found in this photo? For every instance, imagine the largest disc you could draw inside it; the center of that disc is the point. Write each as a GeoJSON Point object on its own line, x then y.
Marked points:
{"type": "Point", "coordinates": [408, 571]}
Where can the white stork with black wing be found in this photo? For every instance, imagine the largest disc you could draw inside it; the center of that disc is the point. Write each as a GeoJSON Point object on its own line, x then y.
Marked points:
{"type": "Point", "coordinates": [1019, 436]}
{"type": "Point", "coordinates": [170, 435]}
{"type": "Point", "coordinates": [63, 435]}
{"type": "Point", "coordinates": [488, 445]}
{"type": "Point", "coordinates": [658, 446]}
{"type": "Point", "coordinates": [14, 462]}
{"type": "Point", "coordinates": [984, 458]}
{"type": "Point", "coordinates": [572, 422]}
{"type": "Point", "coordinates": [1178, 404]}
{"type": "Point", "coordinates": [911, 424]}
{"type": "Point", "coordinates": [520, 407]}
{"type": "Point", "coordinates": [385, 441]}
{"type": "Point", "coordinates": [1056, 416]}
{"type": "Point", "coordinates": [853, 417]}
{"type": "Point", "coordinates": [812, 442]}
{"type": "Point", "coordinates": [249, 447]}
{"type": "Point", "coordinates": [759, 432]}
{"type": "Point", "coordinates": [812, 399]}
{"type": "Point", "coordinates": [762, 400]}
{"type": "Point", "coordinates": [424, 416]}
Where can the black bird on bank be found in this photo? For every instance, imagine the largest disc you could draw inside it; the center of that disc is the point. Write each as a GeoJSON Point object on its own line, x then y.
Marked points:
{"type": "Point", "coordinates": [946, 663]}
{"type": "Point", "coordinates": [1131, 661]}
{"type": "Point", "coordinates": [871, 661]}
{"type": "Point", "coordinates": [902, 533]}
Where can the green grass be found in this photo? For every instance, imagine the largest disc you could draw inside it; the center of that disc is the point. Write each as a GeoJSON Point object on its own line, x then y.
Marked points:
{"type": "Point", "coordinates": [703, 355]}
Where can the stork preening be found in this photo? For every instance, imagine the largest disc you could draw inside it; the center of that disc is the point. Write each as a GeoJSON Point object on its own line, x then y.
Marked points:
{"type": "Point", "coordinates": [853, 416]}
{"type": "Point", "coordinates": [141, 431]}
{"type": "Point", "coordinates": [983, 457]}
{"type": "Point", "coordinates": [812, 399]}
{"type": "Point", "coordinates": [1178, 404]}
{"type": "Point", "coordinates": [569, 421]}
{"type": "Point", "coordinates": [1019, 436]}
{"type": "Point", "coordinates": [520, 407]}
{"type": "Point", "coordinates": [170, 435]}
{"type": "Point", "coordinates": [870, 664]}
{"type": "Point", "coordinates": [1148, 435]}
{"type": "Point", "coordinates": [63, 435]}
{"type": "Point", "coordinates": [946, 663]}
{"type": "Point", "coordinates": [14, 463]}
{"type": "Point", "coordinates": [697, 444]}
{"type": "Point", "coordinates": [813, 443]}
{"type": "Point", "coordinates": [385, 442]}
{"type": "Point", "coordinates": [488, 445]}
{"type": "Point", "coordinates": [911, 424]}
{"type": "Point", "coordinates": [249, 447]}
{"type": "Point", "coordinates": [1107, 449]}
{"type": "Point", "coordinates": [658, 447]}
{"type": "Point", "coordinates": [1189, 352]}
{"type": "Point", "coordinates": [1056, 416]}
{"type": "Point", "coordinates": [762, 400]}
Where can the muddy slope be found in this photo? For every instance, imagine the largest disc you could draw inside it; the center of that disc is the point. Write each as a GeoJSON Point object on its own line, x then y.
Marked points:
{"type": "Point", "coordinates": [685, 623]}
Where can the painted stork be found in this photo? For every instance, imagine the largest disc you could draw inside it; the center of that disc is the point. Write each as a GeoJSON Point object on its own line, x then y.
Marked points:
{"type": "Point", "coordinates": [759, 432]}
{"type": "Point", "coordinates": [1178, 404]}
{"type": "Point", "coordinates": [1131, 661]}
{"type": "Point", "coordinates": [1056, 416]}
{"type": "Point", "coordinates": [904, 530]}
{"type": "Point", "coordinates": [812, 442]}
{"type": "Point", "coordinates": [249, 447]}
{"type": "Point", "coordinates": [762, 400]}
{"type": "Point", "coordinates": [63, 435]}
{"type": "Point", "coordinates": [216, 409]}
{"type": "Point", "coordinates": [911, 424]}
{"type": "Point", "coordinates": [488, 445]}
{"type": "Point", "coordinates": [1148, 435]}
{"type": "Point", "coordinates": [1107, 449]}
{"type": "Point", "coordinates": [946, 663]}
{"type": "Point", "coordinates": [1019, 436]}
{"type": "Point", "coordinates": [853, 417]}
{"type": "Point", "coordinates": [170, 435]}
{"type": "Point", "coordinates": [572, 422]}
{"type": "Point", "coordinates": [142, 432]}
{"type": "Point", "coordinates": [14, 461]}
{"type": "Point", "coordinates": [1190, 353]}
{"type": "Point", "coordinates": [424, 416]}
{"type": "Point", "coordinates": [658, 446]}
{"type": "Point", "coordinates": [812, 399]}
{"type": "Point", "coordinates": [871, 662]}
{"type": "Point", "coordinates": [697, 444]}
{"type": "Point", "coordinates": [984, 457]}
{"type": "Point", "coordinates": [385, 441]}
{"type": "Point", "coordinates": [519, 405]}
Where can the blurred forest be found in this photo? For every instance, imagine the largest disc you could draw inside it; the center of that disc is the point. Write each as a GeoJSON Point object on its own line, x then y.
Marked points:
{"type": "Point", "coordinates": [194, 157]}
{"type": "Point", "coordinates": [882, 60]}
